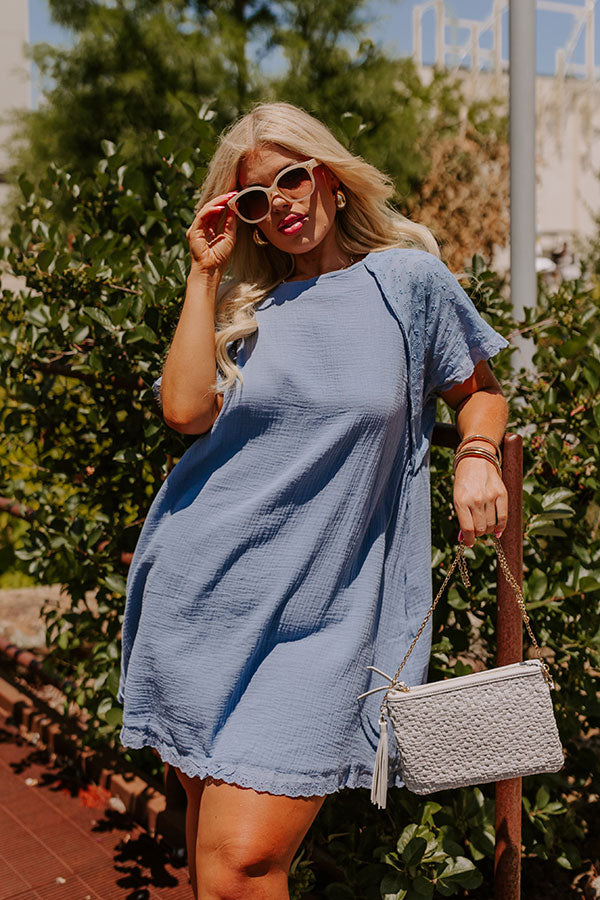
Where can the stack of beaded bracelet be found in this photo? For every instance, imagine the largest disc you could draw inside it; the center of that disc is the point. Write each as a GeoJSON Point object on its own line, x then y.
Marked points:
{"type": "Point", "coordinates": [462, 450]}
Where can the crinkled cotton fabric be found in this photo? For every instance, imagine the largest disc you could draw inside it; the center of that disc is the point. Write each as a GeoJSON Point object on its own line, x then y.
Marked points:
{"type": "Point", "coordinates": [289, 548]}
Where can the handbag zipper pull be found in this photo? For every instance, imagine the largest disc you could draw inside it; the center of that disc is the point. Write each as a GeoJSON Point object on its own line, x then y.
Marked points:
{"type": "Point", "coordinates": [379, 785]}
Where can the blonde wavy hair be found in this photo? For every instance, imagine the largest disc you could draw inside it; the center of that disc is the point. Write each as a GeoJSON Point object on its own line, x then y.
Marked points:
{"type": "Point", "coordinates": [368, 222]}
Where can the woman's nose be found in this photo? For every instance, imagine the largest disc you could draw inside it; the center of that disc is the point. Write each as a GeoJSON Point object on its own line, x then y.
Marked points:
{"type": "Point", "coordinates": [278, 201]}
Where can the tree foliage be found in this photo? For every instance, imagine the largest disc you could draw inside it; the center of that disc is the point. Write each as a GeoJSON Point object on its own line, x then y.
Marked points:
{"type": "Point", "coordinates": [392, 115]}
{"type": "Point", "coordinates": [141, 65]}
{"type": "Point", "coordinates": [464, 196]}
{"type": "Point", "coordinates": [135, 66]}
{"type": "Point", "coordinates": [84, 446]}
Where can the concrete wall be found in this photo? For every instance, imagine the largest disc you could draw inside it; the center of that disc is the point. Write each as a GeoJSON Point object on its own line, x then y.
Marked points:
{"type": "Point", "coordinates": [567, 148]}
{"type": "Point", "coordinates": [15, 80]}
{"type": "Point", "coordinates": [568, 156]}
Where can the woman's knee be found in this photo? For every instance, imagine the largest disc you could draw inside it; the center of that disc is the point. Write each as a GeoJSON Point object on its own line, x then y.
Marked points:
{"type": "Point", "coordinates": [237, 868]}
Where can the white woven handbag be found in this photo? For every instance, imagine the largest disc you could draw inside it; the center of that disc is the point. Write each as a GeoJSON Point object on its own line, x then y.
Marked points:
{"type": "Point", "coordinates": [472, 729]}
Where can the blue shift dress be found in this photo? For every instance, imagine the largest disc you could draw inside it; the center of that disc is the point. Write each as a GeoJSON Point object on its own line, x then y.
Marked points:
{"type": "Point", "coordinates": [289, 548]}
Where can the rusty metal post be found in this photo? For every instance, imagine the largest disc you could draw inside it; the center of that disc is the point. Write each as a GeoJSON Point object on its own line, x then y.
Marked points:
{"type": "Point", "coordinates": [509, 626]}
{"type": "Point", "coordinates": [509, 629]}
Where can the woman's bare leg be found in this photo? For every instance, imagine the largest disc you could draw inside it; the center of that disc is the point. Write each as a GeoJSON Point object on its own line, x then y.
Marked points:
{"type": "Point", "coordinates": [246, 841]}
{"type": "Point", "coordinates": [193, 789]}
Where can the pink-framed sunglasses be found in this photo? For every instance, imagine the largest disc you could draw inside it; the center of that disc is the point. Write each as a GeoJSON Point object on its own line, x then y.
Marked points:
{"type": "Point", "coordinates": [296, 182]}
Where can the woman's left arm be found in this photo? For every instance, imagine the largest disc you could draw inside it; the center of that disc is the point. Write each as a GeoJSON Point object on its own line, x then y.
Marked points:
{"type": "Point", "coordinates": [480, 497]}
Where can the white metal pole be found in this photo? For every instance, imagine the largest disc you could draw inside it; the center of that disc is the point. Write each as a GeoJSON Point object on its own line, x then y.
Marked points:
{"type": "Point", "coordinates": [522, 167]}
{"type": "Point", "coordinates": [417, 37]}
{"type": "Point", "coordinates": [497, 37]}
{"type": "Point", "coordinates": [440, 31]}
{"type": "Point", "coordinates": [590, 34]}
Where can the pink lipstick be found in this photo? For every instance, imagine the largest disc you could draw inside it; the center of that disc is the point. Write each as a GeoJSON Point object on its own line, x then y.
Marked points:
{"type": "Point", "coordinates": [292, 223]}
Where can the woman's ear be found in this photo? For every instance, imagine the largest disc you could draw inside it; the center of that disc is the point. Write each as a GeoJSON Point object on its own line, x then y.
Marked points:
{"type": "Point", "coordinates": [332, 181]}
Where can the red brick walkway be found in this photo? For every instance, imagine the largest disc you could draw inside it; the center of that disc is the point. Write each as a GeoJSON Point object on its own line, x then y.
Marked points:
{"type": "Point", "coordinates": [54, 845]}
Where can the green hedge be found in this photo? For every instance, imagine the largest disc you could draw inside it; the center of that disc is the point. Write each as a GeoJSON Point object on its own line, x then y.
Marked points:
{"type": "Point", "coordinates": [88, 453]}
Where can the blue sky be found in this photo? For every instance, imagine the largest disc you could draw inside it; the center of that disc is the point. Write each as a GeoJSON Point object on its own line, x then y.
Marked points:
{"type": "Point", "coordinates": [392, 28]}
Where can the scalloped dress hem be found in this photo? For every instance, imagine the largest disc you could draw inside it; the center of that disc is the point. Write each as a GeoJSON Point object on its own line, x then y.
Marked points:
{"type": "Point", "coordinates": [261, 780]}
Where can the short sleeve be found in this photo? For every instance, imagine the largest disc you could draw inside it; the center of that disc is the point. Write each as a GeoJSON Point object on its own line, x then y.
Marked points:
{"type": "Point", "coordinates": [457, 337]}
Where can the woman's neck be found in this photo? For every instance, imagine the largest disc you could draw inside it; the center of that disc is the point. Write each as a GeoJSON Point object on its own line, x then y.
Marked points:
{"type": "Point", "coordinates": [325, 257]}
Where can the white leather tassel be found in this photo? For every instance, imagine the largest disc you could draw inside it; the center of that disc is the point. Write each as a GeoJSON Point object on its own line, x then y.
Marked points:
{"type": "Point", "coordinates": [380, 771]}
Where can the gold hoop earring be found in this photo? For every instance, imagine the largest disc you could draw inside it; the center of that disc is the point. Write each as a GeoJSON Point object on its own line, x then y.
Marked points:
{"type": "Point", "coordinates": [340, 199]}
{"type": "Point", "coordinates": [258, 238]}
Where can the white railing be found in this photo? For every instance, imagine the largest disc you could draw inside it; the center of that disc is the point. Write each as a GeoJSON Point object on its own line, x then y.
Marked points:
{"type": "Point", "coordinates": [467, 51]}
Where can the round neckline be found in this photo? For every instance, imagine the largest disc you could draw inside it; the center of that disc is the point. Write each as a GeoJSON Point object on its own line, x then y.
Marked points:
{"type": "Point", "coordinates": [316, 278]}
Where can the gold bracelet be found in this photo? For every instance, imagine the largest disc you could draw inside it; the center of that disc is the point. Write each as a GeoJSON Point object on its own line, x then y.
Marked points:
{"type": "Point", "coordinates": [481, 437]}
{"type": "Point", "coordinates": [478, 452]}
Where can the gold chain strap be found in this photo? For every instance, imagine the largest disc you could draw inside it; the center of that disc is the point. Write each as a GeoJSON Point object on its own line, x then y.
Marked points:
{"type": "Point", "coordinates": [459, 560]}
{"type": "Point", "coordinates": [521, 603]}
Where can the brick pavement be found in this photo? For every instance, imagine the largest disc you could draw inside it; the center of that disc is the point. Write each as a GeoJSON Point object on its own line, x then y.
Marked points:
{"type": "Point", "coordinates": [59, 840]}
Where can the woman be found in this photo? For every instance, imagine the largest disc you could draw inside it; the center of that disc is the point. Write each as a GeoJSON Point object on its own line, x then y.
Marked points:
{"type": "Point", "coordinates": [290, 546]}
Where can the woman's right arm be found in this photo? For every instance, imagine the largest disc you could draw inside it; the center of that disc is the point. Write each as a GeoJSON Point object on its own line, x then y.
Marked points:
{"type": "Point", "coordinates": [189, 403]}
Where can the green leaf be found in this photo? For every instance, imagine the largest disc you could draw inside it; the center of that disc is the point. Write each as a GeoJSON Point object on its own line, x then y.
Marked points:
{"type": "Point", "coordinates": [556, 496]}
{"type": "Point", "coordinates": [80, 334]}
{"type": "Point", "coordinates": [423, 886]}
{"type": "Point", "coordinates": [429, 811]}
{"type": "Point", "coordinates": [352, 125]}
{"type": "Point", "coordinates": [458, 867]}
{"type": "Point", "coordinates": [572, 347]}
{"type": "Point", "coordinates": [141, 332]}
{"type": "Point", "coordinates": [104, 705]}
{"type": "Point", "coordinates": [393, 887]}
{"type": "Point", "coordinates": [115, 583]}
{"type": "Point", "coordinates": [406, 836]}
{"type": "Point", "coordinates": [39, 315]}
{"type": "Point", "coordinates": [45, 259]}
{"type": "Point", "coordinates": [455, 600]}
{"type": "Point", "coordinates": [99, 316]}
{"type": "Point", "coordinates": [483, 842]}
{"type": "Point", "coordinates": [62, 262]}
{"type": "Point", "coordinates": [544, 529]}
{"type": "Point", "coordinates": [114, 716]}
{"type": "Point", "coordinates": [542, 797]}
{"type": "Point", "coordinates": [63, 640]}
{"type": "Point", "coordinates": [100, 681]}
{"type": "Point", "coordinates": [589, 583]}
{"type": "Point", "coordinates": [414, 851]}
{"type": "Point", "coordinates": [537, 584]}
{"type": "Point", "coordinates": [446, 889]}
{"type": "Point", "coordinates": [112, 682]}
{"type": "Point", "coordinates": [26, 186]}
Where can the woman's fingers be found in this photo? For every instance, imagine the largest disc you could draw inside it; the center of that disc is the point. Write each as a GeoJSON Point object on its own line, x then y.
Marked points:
{"type": "Point", "coordinates": [215, 206]}
{"type": "Point", "coordinates": [479, 514]}
{"type": "Point", "coordinates": [480, 500]}
{"type": "Point", "coordinates": [211, 210]}
{"type": "Point", "coordinates": [211, 235]}
{"type": "Point", "coordinates": [466, 527]}
{"type": "Point", "coordinates": [501, 511]}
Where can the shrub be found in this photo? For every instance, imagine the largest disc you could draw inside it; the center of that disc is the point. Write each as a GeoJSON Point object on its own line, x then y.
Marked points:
{"type": "Point", "coordinates": [81, 345]}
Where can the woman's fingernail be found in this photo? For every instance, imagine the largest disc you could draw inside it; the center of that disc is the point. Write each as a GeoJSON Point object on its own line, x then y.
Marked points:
{"type": "Point", "coordinates": [460, 537]}
{"type": "Point", "coordinates": [498, 534]}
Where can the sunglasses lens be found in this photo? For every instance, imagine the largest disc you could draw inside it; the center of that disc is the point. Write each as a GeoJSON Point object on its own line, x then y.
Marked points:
{"type": "Point", "coordinates": [296, 183]}
{"type": "Point", "coordinates": [254, 205]}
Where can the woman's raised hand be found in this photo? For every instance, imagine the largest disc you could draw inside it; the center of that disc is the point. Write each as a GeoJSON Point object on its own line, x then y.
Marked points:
{"type": "Point", "coordinates": [210, 248]}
